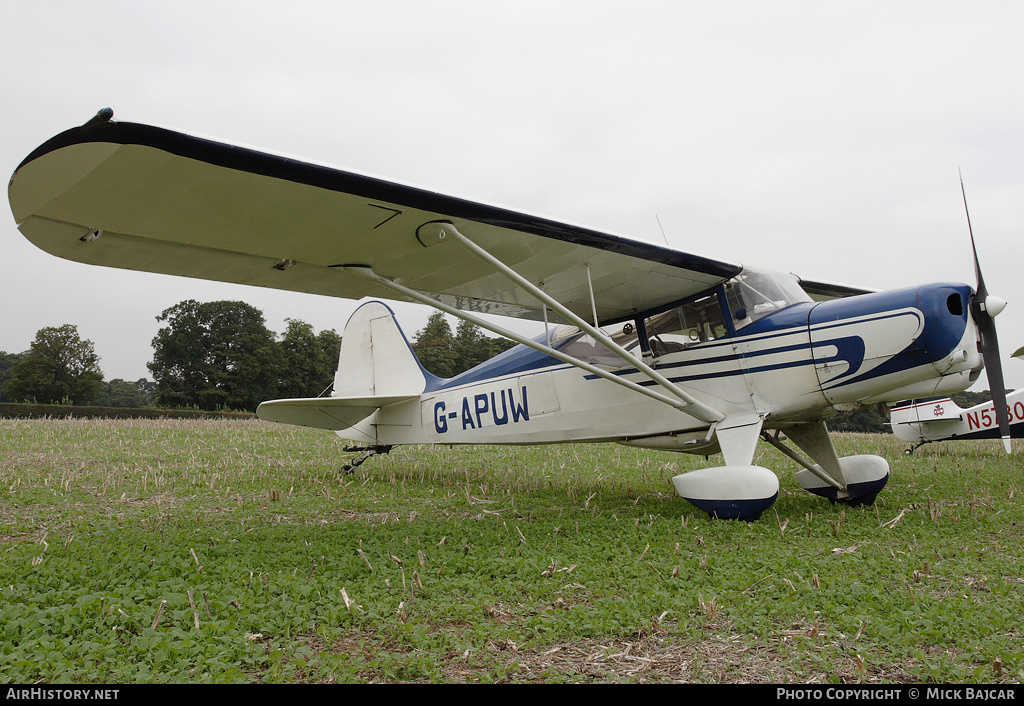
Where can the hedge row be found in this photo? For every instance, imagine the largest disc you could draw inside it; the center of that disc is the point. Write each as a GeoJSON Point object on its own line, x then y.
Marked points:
{"type": "Point", "coordinates": [34, 411]}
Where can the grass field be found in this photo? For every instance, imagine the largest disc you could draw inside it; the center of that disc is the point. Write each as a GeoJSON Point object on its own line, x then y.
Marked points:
{"type": "Point", "coordinates": [220, 551]}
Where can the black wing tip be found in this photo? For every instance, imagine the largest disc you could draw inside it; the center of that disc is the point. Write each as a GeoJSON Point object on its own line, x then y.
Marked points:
{"type": "Point", "coordinates": [104, 120]}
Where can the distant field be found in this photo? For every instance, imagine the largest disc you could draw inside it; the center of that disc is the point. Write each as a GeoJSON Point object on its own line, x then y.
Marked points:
{"type": "Point", "coordinates": [219, 551]}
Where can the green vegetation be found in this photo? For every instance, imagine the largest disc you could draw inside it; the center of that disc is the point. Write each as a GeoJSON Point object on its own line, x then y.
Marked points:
{"type": "Point", "coordinates": [308, 360]}
{"type": "Point", "coordinates": [214, 355]}
{"type": "Point", "coordinates": [220, 551]}
{"type": "Point", "coordinates": [58, 366]}
{"type": "Point", "coordinates": [18, 410]}
{"type": "Point", "coordinates": [7, 363]}
{"type": "Point", "coordinates": [446, 354]}
{"type": "Point", "coordinates": [125, 395]}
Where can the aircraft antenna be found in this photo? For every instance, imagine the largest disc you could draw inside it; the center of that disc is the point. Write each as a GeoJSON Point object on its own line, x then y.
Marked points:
{"type": "Point", "coordinates": [662, 228]}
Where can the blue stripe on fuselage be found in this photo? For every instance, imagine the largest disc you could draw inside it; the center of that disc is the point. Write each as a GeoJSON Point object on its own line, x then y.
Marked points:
{"type": "Point", "coordinates": [514, 361]}
{"type": "Point", "coordinates": [942, 331]}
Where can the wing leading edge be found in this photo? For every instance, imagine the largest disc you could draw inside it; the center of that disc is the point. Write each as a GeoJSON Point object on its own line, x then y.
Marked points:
{"type": "Point", "coordinates": [145, 198]}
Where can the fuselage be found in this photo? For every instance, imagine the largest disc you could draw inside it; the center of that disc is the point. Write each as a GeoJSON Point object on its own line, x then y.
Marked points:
{"type": "Point", "coordinates": [756, 344]}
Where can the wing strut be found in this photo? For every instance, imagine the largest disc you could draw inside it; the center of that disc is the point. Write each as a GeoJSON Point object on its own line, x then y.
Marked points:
{"type": "Point", "coordinates": [437, 232]}
{"type": "Point", "coordinates": [694, 408]}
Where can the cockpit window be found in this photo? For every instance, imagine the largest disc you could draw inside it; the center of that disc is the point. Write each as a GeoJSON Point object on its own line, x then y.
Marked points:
{"type": "Point", "coordinates": [750, 296]}
{"type": "Point", "coordinates": [679, 328]}
{"type": "Point", "coordinates": [756, 293]}
{"type": "Point", "coordinates": [571, 341]}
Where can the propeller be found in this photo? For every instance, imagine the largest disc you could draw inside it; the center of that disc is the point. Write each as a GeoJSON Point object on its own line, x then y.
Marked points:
{"type": "Point", "coordinates": [984, 308]}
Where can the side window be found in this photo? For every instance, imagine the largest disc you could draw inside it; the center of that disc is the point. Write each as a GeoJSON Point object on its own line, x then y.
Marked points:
{"type": "Point", "coordinates": [694, 322]}
{"type": "Point", "coordinates": [585, 348]}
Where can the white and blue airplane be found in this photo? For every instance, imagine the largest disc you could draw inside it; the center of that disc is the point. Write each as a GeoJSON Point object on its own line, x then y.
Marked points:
{"type": "Point", "coordinates": [642, 345]}
{"type": "Point", "coordinates": [928, 420]}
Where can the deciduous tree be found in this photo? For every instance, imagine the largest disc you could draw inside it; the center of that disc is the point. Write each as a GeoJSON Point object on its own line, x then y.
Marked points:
{"type": "Point", "coordinates": [215, 355]}
{"type": "Point", "coordinates": [59, 367]}
{"type": "Point", "coordinates": [434, 345]}
{"type": "Point", "coordinates": [7, 363]}
{"type": "Point", "coordinates": [121, 393]}
{"type": "Point", "coordinates": [473, 346]}
{"type": "Point", "coordinates": [308, 360]}
{"type": "Point", "coordinates": [447, 355]}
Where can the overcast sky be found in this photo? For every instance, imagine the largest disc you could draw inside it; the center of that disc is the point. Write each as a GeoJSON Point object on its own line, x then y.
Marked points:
{"type": "Point", "coordinates": [819, 138]}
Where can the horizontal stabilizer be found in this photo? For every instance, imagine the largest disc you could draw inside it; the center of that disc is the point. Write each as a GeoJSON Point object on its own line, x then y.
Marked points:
{"type": "Point", "coordinates": [935, 423]}
{"type": "Point", "coordinates": [334, 413]}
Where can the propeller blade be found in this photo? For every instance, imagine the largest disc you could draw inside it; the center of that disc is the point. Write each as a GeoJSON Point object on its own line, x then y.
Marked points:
{"type": "Point", "coordinates": [994, 370]}
{"type": "Point", "coordinates": [982, 292]}
{"type": "Point", "coordinates": [986, 324]}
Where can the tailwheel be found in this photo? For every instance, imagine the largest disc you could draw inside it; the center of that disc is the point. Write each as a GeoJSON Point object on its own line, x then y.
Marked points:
{"type": "Point", "coordinates": [349, 468]}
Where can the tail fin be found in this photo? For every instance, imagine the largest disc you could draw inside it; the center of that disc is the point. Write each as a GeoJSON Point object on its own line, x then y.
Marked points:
{"type": "Point", "coordinates": [376, 368]}
{"type": "Point", "coordinates": [376, 360]}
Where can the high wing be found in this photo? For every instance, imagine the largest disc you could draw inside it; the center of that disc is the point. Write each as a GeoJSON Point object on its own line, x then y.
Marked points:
{"type": "Point", "coordinates": [825, 291]}
{"type": "Point", "coordinates": [145, 198]}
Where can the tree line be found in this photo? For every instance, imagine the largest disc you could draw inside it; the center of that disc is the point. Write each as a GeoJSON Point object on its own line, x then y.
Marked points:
{"type": "Point", "coordinates": [206, 355]}
{"type": "Point", "coordinates": [216, 356]}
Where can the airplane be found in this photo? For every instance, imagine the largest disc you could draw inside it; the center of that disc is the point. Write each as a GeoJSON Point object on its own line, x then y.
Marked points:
{"type": "Point", "coordinates": [941, 419]}
{"type": "Point", "coordinates": [642, 345]}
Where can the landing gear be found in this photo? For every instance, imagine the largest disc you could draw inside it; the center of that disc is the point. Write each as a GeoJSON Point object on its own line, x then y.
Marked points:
{"type": "Point", "coordinates": [729, 492]}
{"type": "Point", "coordinates": [349, 468]}
{"type": "Point", "coordinates": [863, 501]}
{"type": "Point", "coordinates": [915, 447]}
{"type": "Point", "coordinates": [865, 477]}
{"type": "Point", "coordinates": [850, 480]}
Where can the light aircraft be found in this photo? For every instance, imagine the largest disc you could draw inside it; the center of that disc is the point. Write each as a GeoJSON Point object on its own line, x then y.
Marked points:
{"type": "Point", "coordinates": [941, 419]}
{"type": "Point", "coordinates": [642, 344]}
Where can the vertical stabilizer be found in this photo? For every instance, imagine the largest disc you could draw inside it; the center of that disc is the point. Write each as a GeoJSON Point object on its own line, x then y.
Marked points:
{"type": "Point", "coordinates": [376, 369]}
{"type": "Point", "coordinates": [376, 359]}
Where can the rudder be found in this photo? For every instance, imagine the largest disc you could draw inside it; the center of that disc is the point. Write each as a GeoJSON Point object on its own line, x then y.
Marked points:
{"type": "Point", "coordinates": [376, 359]}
